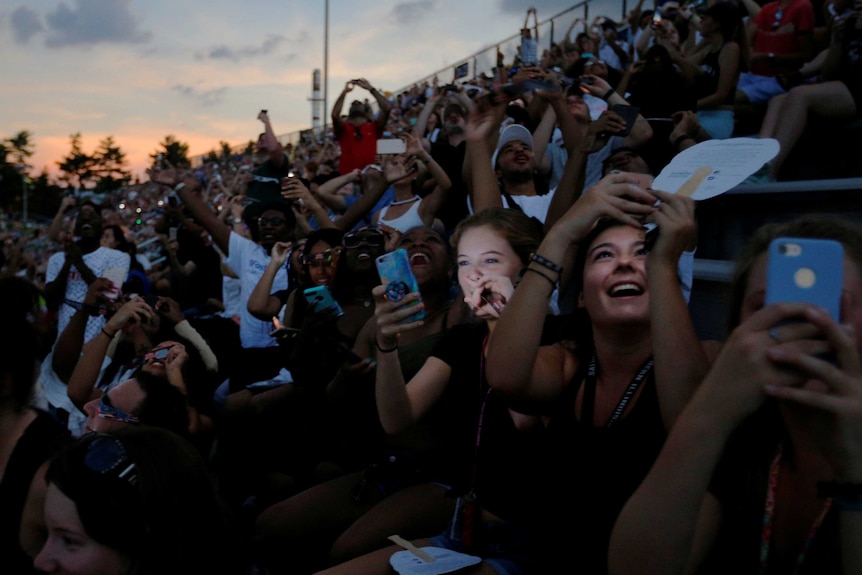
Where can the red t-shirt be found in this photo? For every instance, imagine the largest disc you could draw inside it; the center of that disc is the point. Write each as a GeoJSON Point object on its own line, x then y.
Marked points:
{"type": "Point", "coordinates": [358, 146]}
{"type": "Point", "coordinates": [797, 18]}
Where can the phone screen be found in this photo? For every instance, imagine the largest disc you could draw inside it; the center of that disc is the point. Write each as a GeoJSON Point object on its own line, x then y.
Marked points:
{"type": "Point", "coordinates": [629, 114]}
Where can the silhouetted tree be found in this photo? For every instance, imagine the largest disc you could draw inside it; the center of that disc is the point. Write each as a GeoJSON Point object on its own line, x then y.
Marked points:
{"type": "Point", "coordinates": [174, 151]}
{"type": "Point", "coordinates": [77, 168]}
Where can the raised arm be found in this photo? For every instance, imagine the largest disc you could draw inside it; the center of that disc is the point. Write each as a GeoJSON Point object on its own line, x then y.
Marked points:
{"type": "Point", "coordinates": [261, 303]}
{"type": "Point", "coordinates": [680, 362]}
{"type": "Point", "coordinates": [382, 103]}
{"type": "Point", "coordinates": [55, 229]}
{"type": "Point", "coordinates": [427, 110]}
{"type": "Point", "coordinates": [482, 122]}
{"type": "Point", "coordinates": [199, 210]}
{"type": "Point", "coordinates": [293, 190]}
{"type": "Point", "coordinates": [363, 205]}
{"type": "Point", "coordinates": [67, 349]}
{"type": "Point", "coordinates": [327, 190]}
{"type": "Point", "coordinates": [431, 202]}
{"type": "Point", "coordinates": [337, 123]}
{"type": "Point", "coordinates": [81, 386]}
{"type": "Point", "coordinates": [399, 406]}
{"type": "Point", "coordinates": [670, 522]}
{"type": "Point", "coordinates": [273, 146]}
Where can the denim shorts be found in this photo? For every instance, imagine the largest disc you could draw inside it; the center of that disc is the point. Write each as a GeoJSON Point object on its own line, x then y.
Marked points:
{"type": "Point", "coordinates": [759, 89]}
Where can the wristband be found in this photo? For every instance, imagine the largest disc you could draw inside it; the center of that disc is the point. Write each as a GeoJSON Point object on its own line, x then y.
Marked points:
{"type": "Point", "coordinates": [680, 139]}
{"type": "Point", "coordinates": [608, 94]}
{"type": "Point", "coordinates": [544, 275]}
{"type": "Point", "coordinates": [546, 263]}
{"type": "Point", "coordinates": [179, 186]}
{"type": "Point", "coordinates": [104, 331]}
{"type": "Point", "coordinates": [385, 350]}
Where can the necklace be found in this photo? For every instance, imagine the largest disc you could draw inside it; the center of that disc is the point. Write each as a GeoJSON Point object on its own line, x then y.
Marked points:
{"type": "Point", "coordinates": [402, 202]}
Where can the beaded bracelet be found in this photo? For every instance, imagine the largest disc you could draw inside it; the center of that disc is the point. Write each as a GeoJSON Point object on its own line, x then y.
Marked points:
{"type": "Point", "coordinates": [546, 263]}
{"type": "Point", "coordinates": [543, 274]}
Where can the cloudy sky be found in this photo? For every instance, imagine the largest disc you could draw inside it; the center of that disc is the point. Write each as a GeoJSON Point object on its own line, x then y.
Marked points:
{"type": "Point", "coordinates": [142, 69]}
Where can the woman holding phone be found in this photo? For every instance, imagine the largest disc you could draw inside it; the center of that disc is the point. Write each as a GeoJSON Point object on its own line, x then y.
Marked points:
{"type": "Point", "coordinates": [488, 454]}
{"type": "Point", "coordinates": [763, 470]}
{"type": "Point", "coordinates": [614, 385]}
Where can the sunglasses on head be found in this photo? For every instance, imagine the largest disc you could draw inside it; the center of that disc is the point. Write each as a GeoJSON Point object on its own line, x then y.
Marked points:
{"type": "Point", "coordinates": [274, 222]}
{"type": "Point", "coordinates": [107, 456]}
{"type": "Point", "coordinates": [324, 258]}
{"type": "Point", "coordinates": [370, 237]}
{"type": "Point", "coordinates": [108, 411]}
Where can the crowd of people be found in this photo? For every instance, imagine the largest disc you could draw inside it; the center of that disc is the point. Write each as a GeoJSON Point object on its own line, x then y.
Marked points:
{"type": "Point", "coordinates": [205, 373]}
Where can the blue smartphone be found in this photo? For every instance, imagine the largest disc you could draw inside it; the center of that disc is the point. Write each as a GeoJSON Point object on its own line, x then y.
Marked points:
{"type": "Point", "coordinates": [396, 275]}
{"type": "Point", "coordinates": [806, 270]}
{"type": "Point", "coordinates": [321, 302]}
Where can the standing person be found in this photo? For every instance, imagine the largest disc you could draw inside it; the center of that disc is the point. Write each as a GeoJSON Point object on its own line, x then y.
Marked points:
{"type": "Point", "coordinates": [615, 384]}
{"type": "Point", "coordinates": [139, 500]}
{"type": "Point", "coordinates": [491, 453]}
{"type": "Point", "coordinates": [761, 473]}
{"type": "Point", "coordinates": [358, 134]}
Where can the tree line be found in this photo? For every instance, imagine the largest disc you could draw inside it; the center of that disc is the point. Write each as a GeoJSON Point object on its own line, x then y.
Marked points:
{"type": "Point", "coordinates": [102, 170]}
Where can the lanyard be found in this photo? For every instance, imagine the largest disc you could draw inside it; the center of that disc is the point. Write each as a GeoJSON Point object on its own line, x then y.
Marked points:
{"type": "Point", "coordinates": [769, 513]}
{"type": "Point", "coordinates": [484, 393]}
{"type": "Point", "coordinates": [590, 392]}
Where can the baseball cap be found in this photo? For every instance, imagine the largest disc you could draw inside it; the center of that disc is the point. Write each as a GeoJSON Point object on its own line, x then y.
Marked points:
{"type": "Point", "coordinates": [511, 133]}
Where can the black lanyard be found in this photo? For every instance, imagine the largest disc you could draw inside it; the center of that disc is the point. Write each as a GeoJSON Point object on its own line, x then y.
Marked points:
{"type": "Point", "coordinates": [590, 392]}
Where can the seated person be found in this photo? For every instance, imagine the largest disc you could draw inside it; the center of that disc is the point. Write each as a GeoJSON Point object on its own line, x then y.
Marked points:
{"type": "Point", "coordinates": [761, 471]}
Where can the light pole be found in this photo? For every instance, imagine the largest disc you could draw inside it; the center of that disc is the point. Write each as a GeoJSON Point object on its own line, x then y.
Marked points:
{"type": "Point", "coordinates": [325, 66]}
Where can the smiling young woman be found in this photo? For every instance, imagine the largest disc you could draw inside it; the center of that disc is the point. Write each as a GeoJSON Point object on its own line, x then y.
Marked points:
{"type": "Point", "coordinates": [613, 386]}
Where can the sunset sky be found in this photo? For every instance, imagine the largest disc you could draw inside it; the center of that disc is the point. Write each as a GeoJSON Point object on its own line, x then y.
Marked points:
{"type": "Point", "coordinates": [142, 69]}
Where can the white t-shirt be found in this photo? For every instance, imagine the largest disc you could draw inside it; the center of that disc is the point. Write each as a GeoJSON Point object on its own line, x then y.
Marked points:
{"type": "Point", "coordinates": [533, 206]}
{"type": "Point", "coordinates": [249, 260]}
{"type": "Point", "coordinates": [98, 261]}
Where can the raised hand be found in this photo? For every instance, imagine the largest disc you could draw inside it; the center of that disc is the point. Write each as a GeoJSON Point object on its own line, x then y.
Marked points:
{"type": "Point", "coordinates": [490, 294]}
{"type": "Point", "coordinates": [170, 309]}
{"type": "Point", "coordinates": [830, 401]}
{"type": "Point", "coordinates": [387, 315]}
{"type": "Point", "coordinates": [168, 176]}
{"type": "Point", "coordinates": [136, 311]}
{"type": "Point", "coordinates": [677, 231]}
{"type": "Point", "coordinates": [615, 196]}
{"type": "Point", "coordinates": [280, 252]}
{"type": "Point", "coordinates": [392, 237]}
